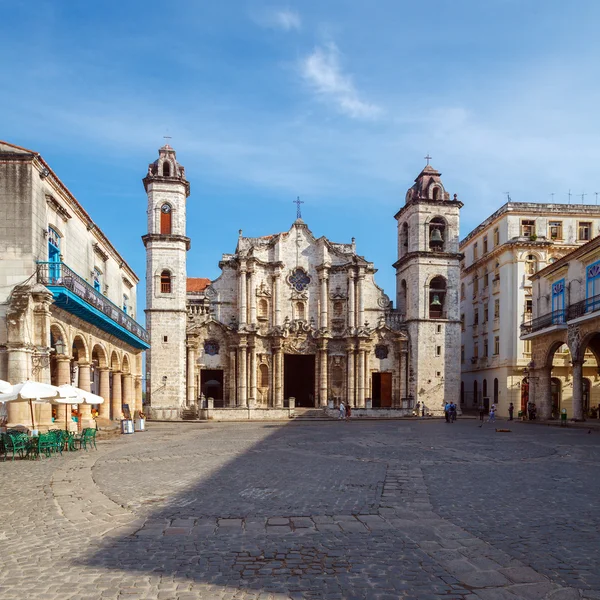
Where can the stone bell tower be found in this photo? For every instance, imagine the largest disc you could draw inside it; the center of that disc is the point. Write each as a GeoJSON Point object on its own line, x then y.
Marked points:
{"type": "Point", "coordinates": [427, 285]}
{"type": "Point", "coordinates": [166, 248]}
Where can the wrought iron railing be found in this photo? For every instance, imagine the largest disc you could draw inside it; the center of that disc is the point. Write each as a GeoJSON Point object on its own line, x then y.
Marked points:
{"type": "Point", "coordinates": [556, 317]}
{"type": "Point", "coordinates": [59, 274]}
{"type": "Point", "coordinates": [583, 307]}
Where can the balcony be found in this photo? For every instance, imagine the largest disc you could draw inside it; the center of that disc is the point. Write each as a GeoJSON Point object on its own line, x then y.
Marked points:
{"type": "Point", "coordinates": [557, 317]}
{"type": "Point", "coordinates": [395, 320]}
{"type": "Point", "coordinates": [584, 307]}
{"type": "Point", "coordinates": [75, 295]}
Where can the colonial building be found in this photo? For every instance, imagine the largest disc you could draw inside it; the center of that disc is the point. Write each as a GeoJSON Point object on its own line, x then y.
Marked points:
{"type": "Point", "coordinates": [67, 297]}
{"type": "Point", "coordinates": [496, 296]}
{"type": "Point", "coordinates": [295, 316]}
{"type": "Point", "coordinates": [564, 335]}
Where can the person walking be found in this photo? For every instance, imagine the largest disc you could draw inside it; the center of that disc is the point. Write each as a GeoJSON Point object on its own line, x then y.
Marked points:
{"type": "Point", "coordinates": [452, 412]}
{"type": "Point", "coordinates": [342, 411]}
{"type": "Point", "coordinates": [348, 412]}
{"type": "Point", "coordinates": [492, 415]}
{"type": "Point", "coordinates": [447, 412]}
{"type": "Point", "coordinates": [511, 410]}
{"type": "Point", "coordinates": [418, 409]}
{"type": "Point", "coordinates": [481, 412]}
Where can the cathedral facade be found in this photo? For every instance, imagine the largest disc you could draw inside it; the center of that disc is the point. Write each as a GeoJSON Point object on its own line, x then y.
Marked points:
{"type": "Point", "coordinates": [298, 321]}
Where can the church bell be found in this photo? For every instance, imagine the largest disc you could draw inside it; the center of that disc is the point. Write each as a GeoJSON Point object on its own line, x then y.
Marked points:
{"type": "Point", "coordinates": [436, 300]}
{"type": "Point", "coordinates": [436, 236]}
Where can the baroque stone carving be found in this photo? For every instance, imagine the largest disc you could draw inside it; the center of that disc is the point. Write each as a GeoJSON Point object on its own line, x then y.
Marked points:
{"type": "Point", "coordinates": [574, 340]}
{"type": "Point", "coordinates": [263, 290]}
{"type": "Point", "coordinates": [338, 294]}
{"type": "Point", "coordinates": [383, 301]}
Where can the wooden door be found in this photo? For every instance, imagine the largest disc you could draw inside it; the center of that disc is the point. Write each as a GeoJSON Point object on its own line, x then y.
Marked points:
{"type": "Point", "coordinates": [386, 389]}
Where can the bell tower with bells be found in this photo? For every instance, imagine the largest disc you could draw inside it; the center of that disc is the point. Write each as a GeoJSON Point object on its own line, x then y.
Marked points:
{"type": "Point", "coordinates": [427, 286]}
{"type": "Point", "coordinates": [166, 316]}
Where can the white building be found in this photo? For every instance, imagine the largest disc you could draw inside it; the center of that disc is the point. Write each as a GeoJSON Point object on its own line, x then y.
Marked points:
{"type": "Point", "coordinates": [295, 316]}
{"type": "Point", "coordinates": [500, 255]}
{"type": "Point", "coordinates": [67, 297]}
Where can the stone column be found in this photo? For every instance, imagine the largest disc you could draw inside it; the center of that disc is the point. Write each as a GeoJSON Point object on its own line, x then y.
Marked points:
{"type": "Point", "coordinates": [104, 391]}
{"type": "Point", "coordinates": [243, 374]}
{"type": "Point", "coordinates": [252, 296]}
{"type": "Point", "coordinates": [543, 397]}
{"type": "Point", "coordinates": [191, 374]}
{"type": "Point", "coordinates": [242, 317]}
{"type": "Point", "coordinates": [367, 376]}
{"type": "Point", "coordinates": [277, 377]}
{"type": "Point", "coordinates": [276, 300]}
{"type": "Point", "coordinates": [323, 371]}
{"type": "Point", "coordinates": [137, 392]}
{"type": "Point", "coordinates": [361, 299]}
{"type": "Point", "coordinates": [577, 390]}
{"type": "Point", "coordinates": [252, 394]}
{"type": "Point", "coordinates": [403, 379]}
{"type": "Point", "coordinates": [127, 392]}
{"type": "Point", "coordinates": [85, 410]}
{"type": "Point", "coordinates": [351, 303]}
{"type": "Point", "coordinates": [116, 399]}
{"type": "Point", "coordinates": [360, 391]}
{"type": "Point", "coordinates": [350, 394]}
{"type": "Point", "coordinates": [324, 299]}
{"type": "Point", "coordinates": [63, 364]}
{"type": "Point", "coordinates": [232, 372]}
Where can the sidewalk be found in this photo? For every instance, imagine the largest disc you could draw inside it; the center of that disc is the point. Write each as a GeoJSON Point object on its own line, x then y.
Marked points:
{"type": "Point", "coordinates": [593, 424]}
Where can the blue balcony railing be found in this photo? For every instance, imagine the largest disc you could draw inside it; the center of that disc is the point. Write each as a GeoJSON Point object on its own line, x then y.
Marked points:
{"type": "Point", "coordinates": [74, 294]}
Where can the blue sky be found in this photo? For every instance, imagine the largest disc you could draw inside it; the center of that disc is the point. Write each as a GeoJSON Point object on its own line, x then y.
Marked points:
{"type": "Point", "coordinates": [337, 102]}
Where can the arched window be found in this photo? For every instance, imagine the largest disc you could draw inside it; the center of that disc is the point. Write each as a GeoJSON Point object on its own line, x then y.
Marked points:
{"type": "Point", "coordinates": [437, 298]}
{"type": "Point", "coordinates": [166, 219]}
{"type": "Point", "coordinates": [403, 239]}
{"type": "Point", "coordinates": [437, 234]}
{"type": "Point", "coordinates": [531, 264]}
{"type": "Point", "coordinates": [263, 376]}
{"type": "Point", "coordinates": [496, 390]}
{"type": "Point", "coordinates": [300, 311]}
{"type": "Point", "coordinates": [165, 282]}
{"type": "Point", "coordinates": [436, 193]}
{"type": "Point", "coordinates": [166, 169]}
{"type": "Point", "coordinates": [263, 309]}
{"type": "Point", "coordinates": [462, 291]}
{"type": "Point", "coordinates": [402, 297]}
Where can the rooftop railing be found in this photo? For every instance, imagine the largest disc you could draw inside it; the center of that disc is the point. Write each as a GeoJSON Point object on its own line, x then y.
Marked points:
{"type": "Point", "coordinates": [59, 274]}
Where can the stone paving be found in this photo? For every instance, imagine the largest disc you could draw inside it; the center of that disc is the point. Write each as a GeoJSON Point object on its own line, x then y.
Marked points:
{"type": "Point", "coordinates": [372, 510]}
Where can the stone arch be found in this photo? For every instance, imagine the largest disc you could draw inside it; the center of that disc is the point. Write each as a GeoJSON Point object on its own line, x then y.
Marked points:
{"type": "Point", "coordinates": [79, 349]}
{"type": "Point", "coordinates": [433, 226]}
{"type": "Point", "coordinates": [404, 237]}
{"type": "Point", "coordinates": [99, 351]}
{"type": "Point", "coordinates": [115, 363]}
{"type": "Point", "coordinates": [435, 191]}
{"type": "Point", "coordinates": [590, 341]}
{"type": "Point", "coordinates": [166, 168]}
{"type": "Point", "coordinates": [126, 364]}
{"type": "Point", "coordinates": [548, 358]}
{"type": "Point", "coordinates": [58, 333]}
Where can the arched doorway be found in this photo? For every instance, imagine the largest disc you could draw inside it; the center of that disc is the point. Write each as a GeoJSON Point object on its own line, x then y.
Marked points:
{"type": "Point", "coordinates": [496, 391]}
{"type": "Point", "coordinates": [476, 401]}
{"type": "Point", "coordinates": [586, 395]}
{"type": "Point", "coordinates": [556, 395]}
{"type": "Point", "coordinates": [462, 393]}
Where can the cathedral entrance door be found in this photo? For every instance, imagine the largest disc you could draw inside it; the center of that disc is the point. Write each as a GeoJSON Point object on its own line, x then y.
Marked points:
{"type": "Point", "coordinates": [299, 378]}
{"type": "Point", "coordinates": [382, 390]}
{"type": "Point", "coordinates": [211, 384]}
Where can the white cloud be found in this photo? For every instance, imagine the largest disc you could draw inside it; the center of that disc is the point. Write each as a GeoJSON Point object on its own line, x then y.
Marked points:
{"type": "Point", "coordinates": [322, 70]}
{"type": "Point", "coordinates": [287, 19]}
{"type": "Point", "coordinates": [284, 18]}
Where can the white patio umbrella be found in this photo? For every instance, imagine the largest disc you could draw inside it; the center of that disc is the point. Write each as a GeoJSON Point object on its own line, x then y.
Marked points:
{"type": "Point", "coordinates": [33, 391]}
{"type": "Point", "coordinates": [75, 395]}
{"type": "Point", "coordinates": [5, 387]}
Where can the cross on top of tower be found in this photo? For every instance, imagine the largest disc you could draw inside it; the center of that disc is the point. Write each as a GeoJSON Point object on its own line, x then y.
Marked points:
{"type": "Point", "coordinates": [298, 202]}
{"type": "Point", "coordinates": [427, 158]}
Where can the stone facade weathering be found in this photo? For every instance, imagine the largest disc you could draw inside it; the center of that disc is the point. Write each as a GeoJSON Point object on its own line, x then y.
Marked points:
{"type": "Point", "coordinates": [67, 297]}
{"type": "Point", "coordinates": [296, 320]}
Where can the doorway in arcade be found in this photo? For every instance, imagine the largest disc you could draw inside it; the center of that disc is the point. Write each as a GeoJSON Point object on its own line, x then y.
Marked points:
{"type": "Point", "coordinates": [299, 378]}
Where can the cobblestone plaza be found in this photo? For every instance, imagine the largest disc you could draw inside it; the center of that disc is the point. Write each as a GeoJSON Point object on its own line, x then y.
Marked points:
{"type": "Point", "coordinates": [384, 510]}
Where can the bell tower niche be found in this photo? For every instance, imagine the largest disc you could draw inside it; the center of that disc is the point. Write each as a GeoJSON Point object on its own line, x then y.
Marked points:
{"type": "Point", "coordinates": [427, 284]}
{"type": "Point", "coordinates": [166, 278]}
